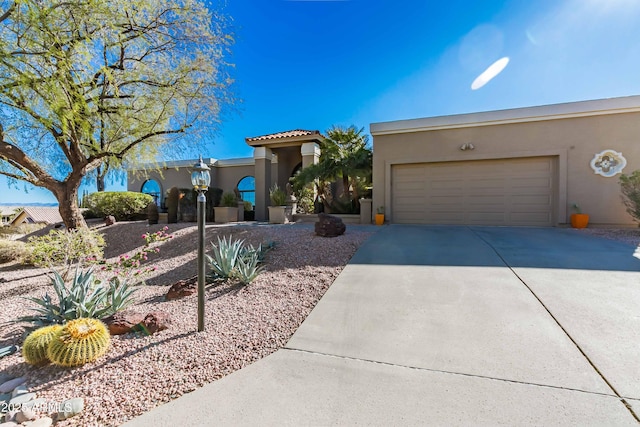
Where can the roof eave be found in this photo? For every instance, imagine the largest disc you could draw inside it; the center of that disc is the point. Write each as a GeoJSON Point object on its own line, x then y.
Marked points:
{"type": "Point", "coordinates": [598, 107]}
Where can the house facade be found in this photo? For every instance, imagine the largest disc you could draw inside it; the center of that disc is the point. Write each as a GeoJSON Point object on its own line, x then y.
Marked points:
{"type": "Point", "coordinates": [525, 166]}
{"type": "Point", "coordinates": [276, 157]}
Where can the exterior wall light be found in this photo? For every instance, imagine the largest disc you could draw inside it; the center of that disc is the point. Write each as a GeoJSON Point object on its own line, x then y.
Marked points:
{"type": "Point", "coordinates": [467, 146]}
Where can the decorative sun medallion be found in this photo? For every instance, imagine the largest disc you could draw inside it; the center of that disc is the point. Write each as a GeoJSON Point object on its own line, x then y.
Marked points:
{"type": "Point", "coordinates": [608, 163]}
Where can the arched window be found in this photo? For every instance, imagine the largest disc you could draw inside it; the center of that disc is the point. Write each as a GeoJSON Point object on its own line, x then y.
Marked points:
{"type": "Point", "coordinates": [247, 189]}
{"type": "Point", "coordinates": [152, 188]}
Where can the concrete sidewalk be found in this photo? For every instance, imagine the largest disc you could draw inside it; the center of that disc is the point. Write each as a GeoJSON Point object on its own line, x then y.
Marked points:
{"type": "Point", "coordinates": [451, 326]}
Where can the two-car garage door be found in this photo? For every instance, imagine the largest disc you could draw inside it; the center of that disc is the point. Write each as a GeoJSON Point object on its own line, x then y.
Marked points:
{"type": "Point", "coordinates": [487, 192]}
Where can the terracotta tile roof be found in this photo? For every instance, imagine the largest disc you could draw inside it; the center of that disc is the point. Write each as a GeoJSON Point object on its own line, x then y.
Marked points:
{"type": "Point", "coordinates": [41, 214]}
{"type": "Point", "coordinates": [286, 134]}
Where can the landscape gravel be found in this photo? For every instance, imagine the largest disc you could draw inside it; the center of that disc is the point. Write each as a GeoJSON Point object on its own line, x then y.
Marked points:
{"type": "Point", "coordinates": [242, 324]}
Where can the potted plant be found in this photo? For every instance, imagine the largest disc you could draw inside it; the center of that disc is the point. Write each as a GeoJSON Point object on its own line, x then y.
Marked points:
{"type": "Point", "coordinates": [579, 219]}
{"type": "Point", "coordinates": [277, 210]}
{"type": "Point", "coordinates": [228, 211]}
{"type": "Point", "coordinates": [380, 215]}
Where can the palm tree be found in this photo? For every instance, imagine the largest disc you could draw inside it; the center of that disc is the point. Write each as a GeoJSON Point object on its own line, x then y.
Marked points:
{"type": "Point", "coordinates": [345, 155]}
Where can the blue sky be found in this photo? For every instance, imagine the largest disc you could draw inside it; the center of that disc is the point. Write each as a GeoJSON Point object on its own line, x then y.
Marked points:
{"type": "Point", "coordinates": [313, 64]}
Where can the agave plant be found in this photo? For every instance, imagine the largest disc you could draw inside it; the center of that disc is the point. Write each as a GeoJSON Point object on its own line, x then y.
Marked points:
{"type": "Point", "coordinates": [247, 268]}
{"type": "Point", "coordinates": [235, 260]}
{"type": "Point", "coordinates": [225, 256]}
{"type": "Point", "coordinates": [86, 297]}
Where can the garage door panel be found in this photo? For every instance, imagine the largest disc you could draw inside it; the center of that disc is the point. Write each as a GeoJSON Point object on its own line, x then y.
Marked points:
{"type": "Point", "coordinates": [541, 200]}
{"type": "Point", "coordinates": [539, 217]}
{"type": "Point", "coordinates": [492, 192]}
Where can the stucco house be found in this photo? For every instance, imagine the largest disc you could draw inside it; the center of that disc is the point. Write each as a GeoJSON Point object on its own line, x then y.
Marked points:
{"type": "Point", "coordinates": [525, 166]}
{"type": "Point", "coordinates": [276, 157]}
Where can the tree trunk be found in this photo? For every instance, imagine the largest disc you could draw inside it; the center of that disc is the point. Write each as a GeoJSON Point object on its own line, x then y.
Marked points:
{"type": "Point", "coordinates": [356, 196]}
{"type": "Point", "coordinates": [345, 186]}
{"type": "Point", "coordinates": [99, 179]}
{"type": "Point", "coordinates": [67, 195]}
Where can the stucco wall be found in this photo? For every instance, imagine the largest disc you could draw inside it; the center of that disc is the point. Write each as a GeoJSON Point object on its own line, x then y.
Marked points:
{"type": "Point", "coordinates": [574, 141]}
{"type": "Point", "coordinates": [226, 178]}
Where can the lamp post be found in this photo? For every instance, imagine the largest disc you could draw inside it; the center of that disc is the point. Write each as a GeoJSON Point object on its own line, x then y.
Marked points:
{"type": "Point", "coordinates": [200, 179]}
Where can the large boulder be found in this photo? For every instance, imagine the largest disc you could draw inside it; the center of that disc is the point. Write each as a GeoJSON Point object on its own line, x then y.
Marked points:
{"type": "Point", "coordinates": [329, 226]}
{"type": "Point", "coordinates": [182, 289]}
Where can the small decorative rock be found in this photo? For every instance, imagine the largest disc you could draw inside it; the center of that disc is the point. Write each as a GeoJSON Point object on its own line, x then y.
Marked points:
{"type": "Point", "coordinates": [9, 424]}
{"type": "Point", "coordinates": [25, 415]}
{"type": "Point", "coordinates": [329, 226]}
{"type": "Point", "coordinates": [110, 220]}
{"type": "Point", "coordinates": [30, 404]}
{"type": "Point", "coordinates": [123, 322]}
{"type": "Point", "coordinates": [22, 398]}
{"type": "Point", "coordinates": [21, 389]}
{"type": "Point", "coordinates": [40, 422]}
{"type": "Point", "coordinates": [153, 322]}
{"type": "Point", "coordinates": [9, 385]}
{"type": "Point", "coordinates": [70, 408]}
{"type": "Point", "coordinates": [11, 415]}
{"type": "Point", "coordinates": [182, 289]}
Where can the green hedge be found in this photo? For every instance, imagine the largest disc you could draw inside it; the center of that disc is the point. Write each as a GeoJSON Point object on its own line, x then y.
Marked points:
{"type": "Point", "coordinates": [123, 205]}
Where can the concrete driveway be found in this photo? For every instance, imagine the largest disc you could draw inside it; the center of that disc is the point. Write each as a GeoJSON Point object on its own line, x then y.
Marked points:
{"type": "Point", "coordinates": [443, 325]}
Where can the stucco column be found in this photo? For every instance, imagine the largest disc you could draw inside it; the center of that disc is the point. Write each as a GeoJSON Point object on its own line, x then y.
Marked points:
{"type": "Point", "coordinates": [262, 157]}
{"type": "Point", "coordinates": [310, 152]}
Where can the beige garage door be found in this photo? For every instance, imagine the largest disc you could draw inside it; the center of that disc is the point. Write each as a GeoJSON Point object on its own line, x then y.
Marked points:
{"type": "Point", "coordinates": [484, 192]}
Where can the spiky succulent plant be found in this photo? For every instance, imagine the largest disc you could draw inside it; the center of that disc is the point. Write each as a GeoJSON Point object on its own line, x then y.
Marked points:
{"type": "Point", "coordinates": [34, 348]}
{"type": "Point", "coordinates": [78, 342]}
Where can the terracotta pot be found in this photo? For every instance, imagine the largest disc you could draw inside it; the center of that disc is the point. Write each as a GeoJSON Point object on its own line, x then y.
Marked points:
{"type": "Point", "coordinates": [379, 219]}
{"type": "Point", "coordinates": [579, 220]}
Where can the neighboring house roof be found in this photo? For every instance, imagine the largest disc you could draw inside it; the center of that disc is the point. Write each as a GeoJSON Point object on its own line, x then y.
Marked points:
{"type": "Point", "coordinates": [8, 210]}
{"type": "Point", "coordinates": [38, 214]}
{"type": "Point", "coordinates": [290, 135]}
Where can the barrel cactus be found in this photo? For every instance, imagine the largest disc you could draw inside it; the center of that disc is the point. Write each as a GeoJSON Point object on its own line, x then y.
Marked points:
{"type": "Point", "coordinates": [34, 348]}
{"type": "Point", "coordinates": [78, 342]}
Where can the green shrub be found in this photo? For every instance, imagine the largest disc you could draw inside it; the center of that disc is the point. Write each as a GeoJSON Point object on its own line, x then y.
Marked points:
{"type": "Point", "coordinates": [630, 187]}
{"type": "Point", "coordinates": [305, 200]}
{"type": "Point", "coordinates": [247, 205]}
{"type": "Point", "coordinates": [85, 297]}
{"type": "Point", "coordinates": [13, 250]}
{"type": "Point", "coordinates": [64, 248]}
{"type": "Point", "coordinates": [229, 200]}
{"type": "Point", "coordinates": [277, 195]}
{"type": "Point", "coordinates": [123, 205]}
{"type": "Point", "coordinates": [24, 228]}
